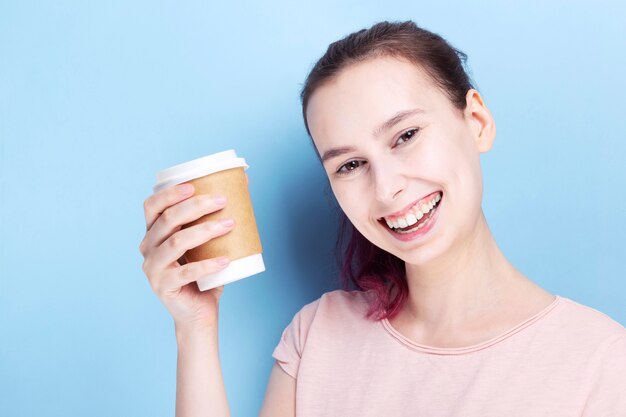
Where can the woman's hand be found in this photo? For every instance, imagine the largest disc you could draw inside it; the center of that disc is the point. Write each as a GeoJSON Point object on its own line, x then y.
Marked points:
{"type": "Point", "coordinates": [165, 244]}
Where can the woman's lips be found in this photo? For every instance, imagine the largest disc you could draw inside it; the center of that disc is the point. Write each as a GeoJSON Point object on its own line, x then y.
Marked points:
{"type": "Point", "coordinates": [424, 230]}
{"type": "Point", "coordinates": [408, 207]}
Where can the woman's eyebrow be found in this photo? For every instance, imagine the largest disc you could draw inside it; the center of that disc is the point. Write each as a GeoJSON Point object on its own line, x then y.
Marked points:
{"type": "Point", "coordinates": [397, 118]}
{"type": "Point", "coordinates": [334, 152]}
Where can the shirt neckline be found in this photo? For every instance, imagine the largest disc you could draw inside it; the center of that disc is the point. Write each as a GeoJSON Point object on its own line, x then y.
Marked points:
{"type": "Point", "coordinates": [473, 348]}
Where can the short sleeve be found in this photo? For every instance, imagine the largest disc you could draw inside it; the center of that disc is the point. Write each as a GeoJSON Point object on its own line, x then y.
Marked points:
{"type": "Point", "coordinates": [608, 390]}
{"type": "Point", "coordinates": [291, 345]}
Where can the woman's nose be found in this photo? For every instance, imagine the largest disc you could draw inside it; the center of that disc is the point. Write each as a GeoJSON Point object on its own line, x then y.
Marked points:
{"type": "Point", "coordinates": [388, 182]}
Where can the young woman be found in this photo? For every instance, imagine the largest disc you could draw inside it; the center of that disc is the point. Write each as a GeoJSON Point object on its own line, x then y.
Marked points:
{"type": "Point", "coordinates": [439, 322]}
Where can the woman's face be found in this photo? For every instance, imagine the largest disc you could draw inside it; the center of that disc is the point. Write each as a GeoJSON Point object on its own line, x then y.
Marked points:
{"type": "Point", "coordinates": [434, 149]}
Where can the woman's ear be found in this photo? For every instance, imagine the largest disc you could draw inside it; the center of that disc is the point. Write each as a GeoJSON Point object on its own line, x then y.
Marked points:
{"type": "Point", "coordinates": [481, 121]}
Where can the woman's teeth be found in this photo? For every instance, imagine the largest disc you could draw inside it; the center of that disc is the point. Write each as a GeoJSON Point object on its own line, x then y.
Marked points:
{"type": "Point", "coordinates": [414, 215]}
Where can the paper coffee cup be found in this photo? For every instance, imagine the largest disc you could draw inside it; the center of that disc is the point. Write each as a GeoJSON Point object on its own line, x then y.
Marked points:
{"type": "Point", "coordinates": [221, 173]}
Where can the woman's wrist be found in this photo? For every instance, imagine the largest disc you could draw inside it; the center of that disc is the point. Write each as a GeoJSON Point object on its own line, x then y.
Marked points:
{"type": "Point", "coordinates": [194, 330]}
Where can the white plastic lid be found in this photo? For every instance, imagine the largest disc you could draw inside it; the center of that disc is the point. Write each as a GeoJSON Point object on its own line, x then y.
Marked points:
{"type": "Point", "coordinates": [236, 270]}
{"type": "Point", "coordinates": [198, 168]}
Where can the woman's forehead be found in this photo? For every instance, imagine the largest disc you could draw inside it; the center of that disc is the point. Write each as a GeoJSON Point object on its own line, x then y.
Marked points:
{"type": "Point", "coordinates": [378, 74]}
{"type": "Point", "coordinates": [366, 94]}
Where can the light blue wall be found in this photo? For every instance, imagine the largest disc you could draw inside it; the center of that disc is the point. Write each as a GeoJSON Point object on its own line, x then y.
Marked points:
{"type": "Point", "coordinates": [97, 96]}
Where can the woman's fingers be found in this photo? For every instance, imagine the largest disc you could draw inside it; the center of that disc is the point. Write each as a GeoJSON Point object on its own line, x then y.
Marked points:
{"type": "Point", "coordinates": [165, 242]}
{"type": "Point", "coordinates": [158, 202]}
{"type": "Point", "coordinates": [176, 245]}
{"type": "Point", "coordinates": [175, 278]}
{"type": "Point", "coordinates": [182, 213]}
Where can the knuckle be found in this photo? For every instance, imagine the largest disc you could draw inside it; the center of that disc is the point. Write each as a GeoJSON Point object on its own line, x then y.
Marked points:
{"type": "Point", "coordinates": [213, 228]}
{"type": "Point", "coordinates": [200, 202]}
{"type": "Point", "coordinates": [145, 267]}
{"type": "Point", "coordinates": [167, 216]}
{"type": "Point", "coordinates": [175, 240]}
{"type": "Point", "coordinates": [186, 272]}
{"type": "Point", "coordinates": [142, 247]}
{"type": "Point", "coordinates": [154, 284]}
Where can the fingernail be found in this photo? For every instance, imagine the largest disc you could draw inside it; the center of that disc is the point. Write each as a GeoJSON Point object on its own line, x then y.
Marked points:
{"type": "Point", "coordinates": [222, 261]}
{"type": "Point", "coordinates": [185, 189]}
{"type": "Point", "coordinates": [227, 222]}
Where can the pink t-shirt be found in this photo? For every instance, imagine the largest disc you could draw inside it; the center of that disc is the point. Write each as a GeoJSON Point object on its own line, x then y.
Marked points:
{"type": "Point", "coordinates": [567, 360]}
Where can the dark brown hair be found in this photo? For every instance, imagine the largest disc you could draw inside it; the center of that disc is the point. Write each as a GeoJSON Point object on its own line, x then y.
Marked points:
{"type": "Point", "coordinates": [362, 264]}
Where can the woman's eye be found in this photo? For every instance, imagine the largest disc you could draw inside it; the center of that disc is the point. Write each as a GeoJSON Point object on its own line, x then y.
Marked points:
{"type": "Point", "coordinates": [408, 135]}
{"type": "Point", "coordinates": [349, 165]}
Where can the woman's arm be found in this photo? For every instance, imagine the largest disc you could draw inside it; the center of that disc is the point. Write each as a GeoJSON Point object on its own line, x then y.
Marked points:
{"type": "Point", "coordinates": [280, 395]}
{"type": "Point", "coordinates": [200, 388]}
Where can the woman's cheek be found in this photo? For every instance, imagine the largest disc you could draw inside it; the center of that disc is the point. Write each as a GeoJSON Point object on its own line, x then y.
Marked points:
{"type": "Point", "coordinates": [336, 191]}
{"type": "Point", "coordinates": [350, 199]}
{"type": "Point", "coordinates": [342, 196]}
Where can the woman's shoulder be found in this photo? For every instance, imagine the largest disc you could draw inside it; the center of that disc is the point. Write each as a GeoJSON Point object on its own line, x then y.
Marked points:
{"type": "Point", "coordinates": [336, 306]}
{"type": "Point", "coordinates": [344, 296]}
{"type": "Point", "coordinates": [587, 322]}
{"type": "Point", "coordinates": [342, 301]}
{"type": "Point", "coordinates": [331, 318]}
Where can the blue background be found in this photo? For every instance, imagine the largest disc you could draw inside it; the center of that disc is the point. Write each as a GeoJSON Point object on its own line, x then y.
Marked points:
{"type": "Point", "coordinates": [95, 97]}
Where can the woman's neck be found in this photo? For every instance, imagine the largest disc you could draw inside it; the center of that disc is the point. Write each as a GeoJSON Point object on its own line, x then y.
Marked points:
{"type": "Point", "coordinates": [473, 284]}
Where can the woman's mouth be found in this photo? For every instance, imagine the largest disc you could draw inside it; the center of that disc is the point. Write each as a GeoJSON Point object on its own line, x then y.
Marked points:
{"type": "Point", "coordinates": [416, 222]}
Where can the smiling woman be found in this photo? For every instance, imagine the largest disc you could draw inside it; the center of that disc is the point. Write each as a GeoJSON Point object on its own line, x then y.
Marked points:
{"type": "Point", "coordinates": [420, 126]}
{"type": "Point", "coordinates": [432, 318]}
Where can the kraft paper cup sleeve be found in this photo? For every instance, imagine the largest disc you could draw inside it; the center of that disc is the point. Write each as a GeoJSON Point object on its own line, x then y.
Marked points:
{"type": "Point", "coordinates": [241, 241]}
